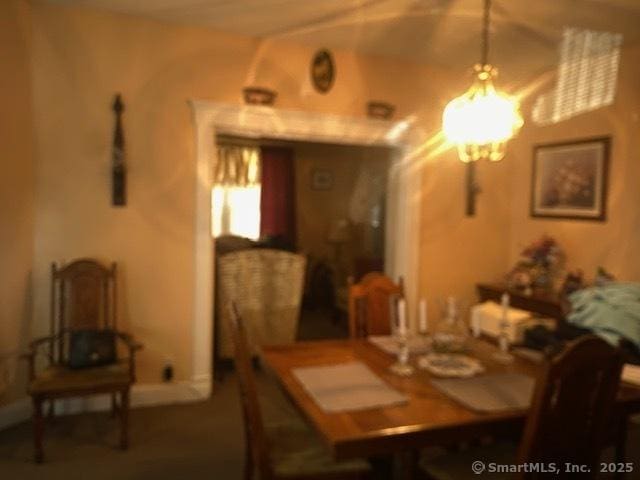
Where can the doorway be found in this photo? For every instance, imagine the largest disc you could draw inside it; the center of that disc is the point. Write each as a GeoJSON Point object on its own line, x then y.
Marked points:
{"type": "Point", "coordinates": [330, 207]}
{"type": "Point", "coordinates": [401, 240]}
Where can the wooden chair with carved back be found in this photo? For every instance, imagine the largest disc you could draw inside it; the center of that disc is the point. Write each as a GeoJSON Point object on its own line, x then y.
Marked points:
{"type": "Point", "coordinates": [370, 304]}
{"type": "Point", "coordinates": [288, 449]}
{"type": "Point", "coordinates": [568, 422]}
{"type": "Point", "coordinates": [83, 306]}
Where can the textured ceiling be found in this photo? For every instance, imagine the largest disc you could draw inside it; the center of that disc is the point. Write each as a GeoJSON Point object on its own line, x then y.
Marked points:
{"type": "Point", "coordinates": [524, 34]}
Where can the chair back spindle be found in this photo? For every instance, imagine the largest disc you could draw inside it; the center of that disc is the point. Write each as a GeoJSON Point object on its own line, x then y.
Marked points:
{"type": "Point", "coordinates": [82, 297]}
{"type": "Point", "coordinates": [256, 440]}
{"type": "Point", "coordinates": [572, 405]}
{"type": "Point", "coordinates": [375, 290]}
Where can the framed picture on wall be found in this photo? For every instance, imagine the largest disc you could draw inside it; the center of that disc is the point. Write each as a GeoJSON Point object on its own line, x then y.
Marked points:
{"type": "Point", "coordinates": [569, 179]}
{"type": "Point", "coordinates": [321, 179]}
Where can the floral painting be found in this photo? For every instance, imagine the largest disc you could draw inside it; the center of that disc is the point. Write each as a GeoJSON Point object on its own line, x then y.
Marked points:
{"type": "Point", "coordinates": [569, 179]}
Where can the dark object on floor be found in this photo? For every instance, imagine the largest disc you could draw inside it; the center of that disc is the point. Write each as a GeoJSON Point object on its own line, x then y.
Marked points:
{"type": "Point", "coordinates": [569, 420]}
{"type": "Point", "coordinates": [282, 451]}
{"type": "Point", "coordinates": [321, 292]}
{"type": "Point", "coordinates": [92, 348]}
{"type": "Point", "coordinates": [83, 296]}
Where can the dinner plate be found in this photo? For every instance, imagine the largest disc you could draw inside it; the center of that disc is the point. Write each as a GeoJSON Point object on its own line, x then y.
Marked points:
{"type": "Point", "coordinates": [450, 365]}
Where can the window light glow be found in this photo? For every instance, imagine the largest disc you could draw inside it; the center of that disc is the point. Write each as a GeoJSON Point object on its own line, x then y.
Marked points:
{"type": "Point", "coordinates": [587, 76]}
{"type": "Point", "coordinates": [236, 211]}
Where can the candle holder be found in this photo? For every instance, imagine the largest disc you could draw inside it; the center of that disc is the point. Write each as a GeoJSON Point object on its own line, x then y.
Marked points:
{"type": "Point", "coordinates": [402, 367]}
{"type": "Point", "coordinates": [503, 355]}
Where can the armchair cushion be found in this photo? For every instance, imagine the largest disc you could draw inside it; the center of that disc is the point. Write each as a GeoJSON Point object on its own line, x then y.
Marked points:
{"type": "Point", "coordinates": [59, 379]}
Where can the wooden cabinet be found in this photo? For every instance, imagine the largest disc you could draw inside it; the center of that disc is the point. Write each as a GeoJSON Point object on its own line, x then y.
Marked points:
{"type": "Point", "coordinates": [542, 302]}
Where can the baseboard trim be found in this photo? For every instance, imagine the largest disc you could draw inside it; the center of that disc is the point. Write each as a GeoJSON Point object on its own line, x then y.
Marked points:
{"type": "Point", "coordinates": [142, 395]}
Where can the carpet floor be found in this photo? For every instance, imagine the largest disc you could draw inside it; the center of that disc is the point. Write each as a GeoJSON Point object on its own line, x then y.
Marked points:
{"type": "Point", "coordinates": [184, 442]}
{"type": "Point", "coordinates": [189, 441]}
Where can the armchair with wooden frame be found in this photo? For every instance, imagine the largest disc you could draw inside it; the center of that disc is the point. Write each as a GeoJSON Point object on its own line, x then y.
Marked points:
{"type": "Point", "coordinates": [83, 297]}
{"type": "Point", "coordinates": [370, 304]}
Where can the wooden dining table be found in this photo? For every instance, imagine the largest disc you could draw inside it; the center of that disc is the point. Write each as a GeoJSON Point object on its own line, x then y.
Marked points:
{"type": "Point", "coordinates": [428, 418]}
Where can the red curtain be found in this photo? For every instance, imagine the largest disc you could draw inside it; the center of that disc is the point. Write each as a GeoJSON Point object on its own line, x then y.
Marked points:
{"type": "Point", "coordinates": [277, 198]}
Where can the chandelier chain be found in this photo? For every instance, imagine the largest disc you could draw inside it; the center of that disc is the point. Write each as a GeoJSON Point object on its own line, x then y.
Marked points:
{"type": "Point", "coordinates": [485, 33]}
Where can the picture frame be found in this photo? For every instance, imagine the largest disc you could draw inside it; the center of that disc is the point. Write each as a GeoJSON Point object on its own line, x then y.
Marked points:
{"type": "Point", "coordinates": [321, 179]}
{"type": "Point", "coordinates": [569, 179]}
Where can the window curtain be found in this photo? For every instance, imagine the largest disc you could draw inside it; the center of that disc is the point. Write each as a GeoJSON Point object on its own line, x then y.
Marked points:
{"type": "Point", "coordinates": [236, 193]}
{"type": "Point", "coordinates": [277, 197]}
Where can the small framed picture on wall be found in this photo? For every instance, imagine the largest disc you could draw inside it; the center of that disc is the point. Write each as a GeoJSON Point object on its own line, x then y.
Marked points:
{"type": "Point", "coordinates": [321, 179]}
{"type": "Point", "coordinates": [569, 179]}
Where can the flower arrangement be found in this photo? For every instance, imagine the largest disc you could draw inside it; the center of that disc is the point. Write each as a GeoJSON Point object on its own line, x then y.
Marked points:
{"type": "Point", "coordinates": [539, 263]}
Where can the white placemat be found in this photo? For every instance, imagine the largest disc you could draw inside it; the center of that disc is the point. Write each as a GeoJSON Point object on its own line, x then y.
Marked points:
{"type": "Point", "coordinates": [490, 393]}
{"type": "Point", "coordinates": [347, 387]}
{"type": "Point", "coordinates": [417, 345]}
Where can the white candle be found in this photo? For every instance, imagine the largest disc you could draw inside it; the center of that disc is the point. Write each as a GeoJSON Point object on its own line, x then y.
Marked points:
{"type": "Point", "coordinates": [504, 323]}
{"type": "Point", "coordinates": [423, 326]}
{"type": "Point", "coordinates": [505, 305]}
{"type": "Point", "coordinates": [402, 317]}
{"type": "Point", "coordinates": [476, 326]}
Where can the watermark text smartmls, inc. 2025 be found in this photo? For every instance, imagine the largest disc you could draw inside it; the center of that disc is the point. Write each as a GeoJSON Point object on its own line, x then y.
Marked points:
{"type": "Point", "coordinates": [481, 467]}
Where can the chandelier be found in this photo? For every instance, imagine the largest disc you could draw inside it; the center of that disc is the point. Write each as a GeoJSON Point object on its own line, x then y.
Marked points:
{"type": "Point", "coordinates": [482, 120]}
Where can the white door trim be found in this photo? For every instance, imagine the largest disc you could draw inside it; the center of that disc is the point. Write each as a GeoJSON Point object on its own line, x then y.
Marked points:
{"type": "Point", "coordinates": [212, 118]}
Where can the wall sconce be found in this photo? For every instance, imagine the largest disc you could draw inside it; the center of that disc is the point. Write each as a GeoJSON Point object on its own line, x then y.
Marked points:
{"type": "Point", "coordinates": [380, 110]}
{"type": "Point", "coordinates": [259, 96]}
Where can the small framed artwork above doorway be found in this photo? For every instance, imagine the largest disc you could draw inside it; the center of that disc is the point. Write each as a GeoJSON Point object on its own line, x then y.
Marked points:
{"type": "Point", "coordinates": [321, 179]}
{"type": "Point", "coordinates": [569, 179]}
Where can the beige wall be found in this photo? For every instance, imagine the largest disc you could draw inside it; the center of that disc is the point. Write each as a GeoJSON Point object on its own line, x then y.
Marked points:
{"type": "Point", "coordinates": [80, 59]}
{"type": "Point", "coordinates": [614, 243]}
{"type": "Point", "coordinates": [457, 251]}
{"type": "Point", "coordinates": [16, 187]}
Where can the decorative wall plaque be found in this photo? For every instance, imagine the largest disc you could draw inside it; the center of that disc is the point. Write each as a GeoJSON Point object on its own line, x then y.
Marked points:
{"type": "Point", "coordinates": [323, 71]}
{"type": "Point", "coordinates": [118, 168]}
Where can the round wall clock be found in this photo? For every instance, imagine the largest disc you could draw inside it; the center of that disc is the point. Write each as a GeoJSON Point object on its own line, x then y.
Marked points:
{"type": "Point", "coordinates": [323, 71]}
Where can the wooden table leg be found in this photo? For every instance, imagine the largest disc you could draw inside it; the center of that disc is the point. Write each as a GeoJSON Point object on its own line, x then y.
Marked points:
{"type": "Point", "coordinates": [124, 418]}
{"type": "Point", "coordinates": [621, 444]}
{"type": "Point", "coordinates": [406, 465]}
{"type": "Point", "coordinates": [382, 467]}
{"type": "Point", "coordinates": [38, 430]}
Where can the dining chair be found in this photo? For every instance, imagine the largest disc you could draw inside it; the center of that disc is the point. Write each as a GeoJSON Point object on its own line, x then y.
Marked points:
{"type": "Point", "coordinates": [369, 304]}
{"type": "Point", "coordinates": [81, 349]}
{"type": "Point", "coordinates": [284, 450]}
{"type": "Point", "coordinates": [568, 422]}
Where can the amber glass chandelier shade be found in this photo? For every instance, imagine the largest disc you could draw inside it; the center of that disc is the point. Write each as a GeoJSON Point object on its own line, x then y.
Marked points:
{"type": "Point", "coordinates": [482, 120]}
